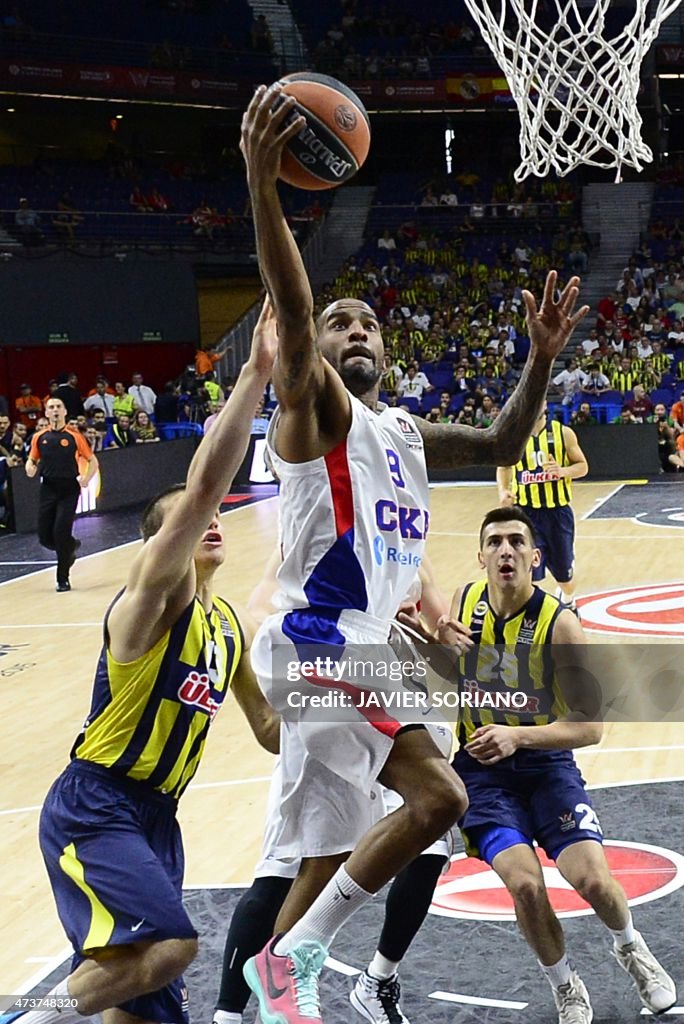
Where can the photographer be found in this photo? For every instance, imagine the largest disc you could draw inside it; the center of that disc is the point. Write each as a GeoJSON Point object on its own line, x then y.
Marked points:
{"type": "Point", "coordinates": [670, 459]}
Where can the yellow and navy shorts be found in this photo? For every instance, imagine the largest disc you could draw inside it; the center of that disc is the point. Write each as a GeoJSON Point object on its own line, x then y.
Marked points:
{"type": "Point", "coordinates": [114, 855]}
{"type": "Point", "coordinates": [533, 796]}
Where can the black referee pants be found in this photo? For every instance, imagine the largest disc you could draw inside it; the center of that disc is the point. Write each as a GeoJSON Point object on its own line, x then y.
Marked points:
{"type": "Point", "coordinates": [56, 511]}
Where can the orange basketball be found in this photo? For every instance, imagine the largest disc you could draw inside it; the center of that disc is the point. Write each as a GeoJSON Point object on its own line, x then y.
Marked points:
{"type": "Point", "coordinates": [334, 143]}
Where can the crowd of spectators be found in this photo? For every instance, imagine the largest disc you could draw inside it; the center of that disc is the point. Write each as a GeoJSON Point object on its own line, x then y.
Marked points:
{"type": "Point", "coordinates": [453, 323]}
{"type": "Point", "coordinates": [455, 333]}
{"type": "Point", "coordinates": [487, 203]}
{"type": "Point", "coordinates": [375, 43]}
{"type": "Point", "coordinates": [115, 415]}
{"type": "Point", "coordinates": [124, 199]}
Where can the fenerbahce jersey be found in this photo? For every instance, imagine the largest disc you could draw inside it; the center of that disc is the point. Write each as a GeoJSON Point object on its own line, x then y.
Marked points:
{"type": "Point", "coordinates": [353, 523]}
{"type": "Point", "coordinates": [149, 717]}
{"type": "Point", "coordinates": [532, 487]}
{"type": "Point", "coordinates": [509, 654]}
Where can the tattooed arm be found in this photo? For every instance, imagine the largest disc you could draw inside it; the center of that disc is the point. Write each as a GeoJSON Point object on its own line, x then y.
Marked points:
{"type": "Point", "coordinates": [449, 446]}
{"type": "Point", "coordinates": [264, 136]}
{"type": "Point", "coordinates": [304, 383]}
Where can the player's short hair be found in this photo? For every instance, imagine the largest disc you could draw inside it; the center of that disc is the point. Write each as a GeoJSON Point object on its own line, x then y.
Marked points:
{"type": "Point", "coordinates": [153, 516]}
{"type": "Point", "coordinates": [320, 320]}
{"type": "Point", "coordinates": [507, 514]}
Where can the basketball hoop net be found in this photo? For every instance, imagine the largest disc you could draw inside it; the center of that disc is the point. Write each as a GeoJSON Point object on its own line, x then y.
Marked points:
{"type": "Point", "coordinates": [576, 91]}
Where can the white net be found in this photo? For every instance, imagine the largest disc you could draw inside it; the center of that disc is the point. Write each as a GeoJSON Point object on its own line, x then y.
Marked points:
{"type": "Point", "coordinates": [574, 77]}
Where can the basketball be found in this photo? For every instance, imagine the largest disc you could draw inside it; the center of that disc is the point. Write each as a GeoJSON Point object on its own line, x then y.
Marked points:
{"type": "Point", "coordinates": [333, 145]}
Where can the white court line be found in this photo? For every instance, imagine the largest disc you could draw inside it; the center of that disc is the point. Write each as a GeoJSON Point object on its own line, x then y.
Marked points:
{"type": "Point", "coordinates": [455, 997]}
{"type": "Point", "coordinates": [655, 526]}
{"type": "Point", "coordinates": [198, 785]}
{"type": "Point", "coordinates": [45, 561]}
{"type": "Point", "coordinates": [231, 782]}
{"type": "Point", "coordinates": [50, 964]}
{"type": "Point", "coordinates": [341, 968]}
{"type": "Point", "coordinates": [628, 750]}
{"type": "Point", "coordinates": [47, 625]}
{"type": "Point", "coordinates": [442, 484]}
{"type": "Point", "coordinates": [579, 537]}
{"type": "Point", "coordinates": [189, 887]}
{"type": "Point", "coordinates": [602, 501]}
{"type": "Point", "coordinates": [267, 778]}
{"type": "Point", "coordinates": [22, 810]}
{"type": "Point", "coordinates": [435, 484]}
{"type": "Point", "coordinates": [634, 782]}
{"type": "Point", "coordinates": [130, 543]}
{"type": "Point", "coordinates": [453, 533]}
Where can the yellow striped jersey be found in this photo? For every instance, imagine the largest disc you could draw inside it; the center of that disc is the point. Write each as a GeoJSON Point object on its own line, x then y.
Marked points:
{"type": "Point", "coordinates": [621, 381]}
{"type": "Point", "coordinates": [661, 362]}
{"type": "Point", "coordinates": [649, 380]}
{"type": "Point", "coordinates": [149, 718]}
{"type": "Point", "coordinates": [532, 487]}
{"type": "Point", "coordinates": [509, 654]}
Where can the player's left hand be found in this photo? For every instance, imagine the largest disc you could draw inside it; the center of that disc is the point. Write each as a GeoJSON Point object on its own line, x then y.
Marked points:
{"type": "Point", "coordinates": [81, 480]}
{"type": "Point", "coordinates": [551, 325]}
{"type": "Point", "coordinates": [551, 466]}
{"type": "Point", "coordinates": [491, 743]}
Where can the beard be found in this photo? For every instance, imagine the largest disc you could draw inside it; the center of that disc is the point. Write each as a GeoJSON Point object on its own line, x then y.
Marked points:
{"type": "Point", "coordinates": [359, 378]}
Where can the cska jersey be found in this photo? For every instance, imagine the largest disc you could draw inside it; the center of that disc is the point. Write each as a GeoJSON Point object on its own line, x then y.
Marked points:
{"type": "Point", "coordinates": [353, 523]}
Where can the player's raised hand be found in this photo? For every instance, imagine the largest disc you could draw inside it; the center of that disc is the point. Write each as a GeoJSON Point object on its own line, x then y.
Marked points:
{"type": "Point", "coordinates": [551, 325]}
{"type": "Point", "coordinates": [264, 341]}
{"type": "Point", "coordinates": [267, 126]}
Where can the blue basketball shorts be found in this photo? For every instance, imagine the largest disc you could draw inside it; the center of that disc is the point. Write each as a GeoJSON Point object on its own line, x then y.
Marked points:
{"type": "Point", "coordinates": [534, 795]}
{"type": "Point", "coordinates": [114, 855]}
{"type": "Point", "coordinates": [555, 533]}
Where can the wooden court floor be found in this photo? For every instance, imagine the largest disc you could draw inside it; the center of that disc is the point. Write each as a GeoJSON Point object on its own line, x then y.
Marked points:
{"type": "Point", "coordinates": [54, 640]}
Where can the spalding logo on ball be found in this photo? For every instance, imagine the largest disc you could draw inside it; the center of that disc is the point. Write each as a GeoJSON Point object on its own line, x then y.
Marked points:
{"type": "Point", "coordinates": [334, 142]}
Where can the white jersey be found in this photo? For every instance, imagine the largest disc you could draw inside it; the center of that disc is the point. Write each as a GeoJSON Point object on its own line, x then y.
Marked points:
{"type": "Point", "coordinates": [353, 523]}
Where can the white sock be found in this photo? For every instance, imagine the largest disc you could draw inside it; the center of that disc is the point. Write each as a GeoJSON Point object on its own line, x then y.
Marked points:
{"type": "Point", "coordinates": [558, 974]}
{"type": "Point", "coordinates": [341, 898]}
{"type": "Point", "coordinates": [381, 968]}
{"type": "Point", "coordinates": [226, 1017]}
{"type": "Point", "coordinates": [65, 1015]}
{"type": "Point", "coordinates": [624, 936]}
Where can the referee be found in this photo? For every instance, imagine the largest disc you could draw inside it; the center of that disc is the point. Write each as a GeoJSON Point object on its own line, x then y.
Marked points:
{"type": "Point", "coordinates": [59, 452]}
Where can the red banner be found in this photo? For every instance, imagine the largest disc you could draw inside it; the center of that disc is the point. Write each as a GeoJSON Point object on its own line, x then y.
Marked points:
{"type": "Point", "coordinates": [98, 80]}
{"type": "Point", "coordinates": [47, 76]}
{"type": "Point", "coordinates": [400, 93]}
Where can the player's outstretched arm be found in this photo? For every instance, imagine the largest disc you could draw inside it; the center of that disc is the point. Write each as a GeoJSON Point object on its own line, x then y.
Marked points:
{"type": "Point", "coordinates": [298, 375]}
{"type": "Point", "coordinates": [581, 726]}
{"type": "Point", "coordinates": [579, 466]}
{"type": "Point", "coordinates": [504, 483]}
{"type": "Point", "coordinates": [162, 579]}
{"type": "Point", "coordinates": [449, 446]}
{"type": "Point", "coordinates": [433, 602]}
{"type": "Point", "coordinates": [263, 720]}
